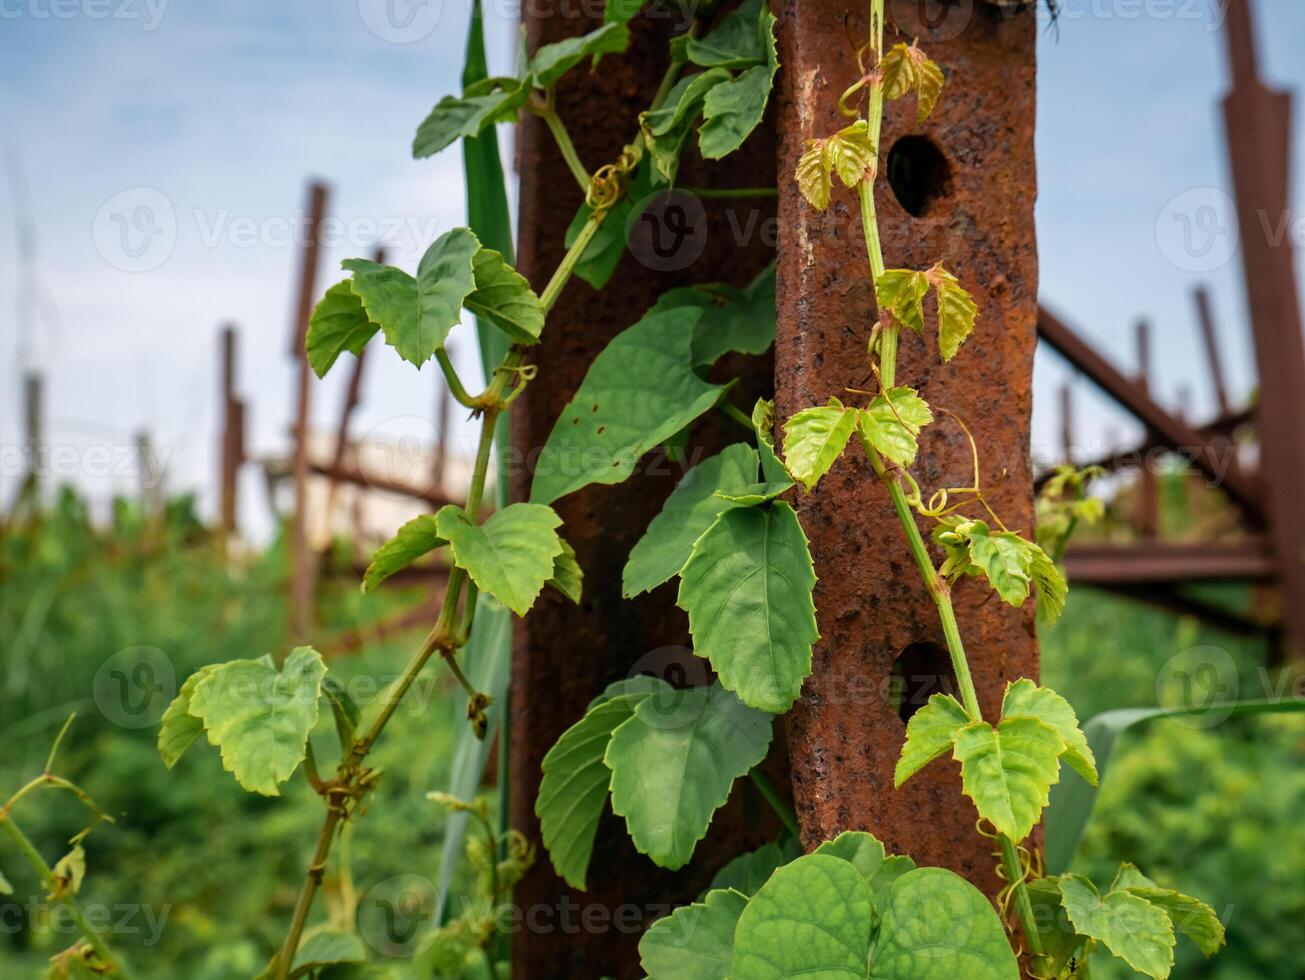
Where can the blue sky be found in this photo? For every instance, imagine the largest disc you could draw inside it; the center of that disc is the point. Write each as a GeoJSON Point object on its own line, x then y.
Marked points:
{"type": "Point", "coordinates": [222, 111]}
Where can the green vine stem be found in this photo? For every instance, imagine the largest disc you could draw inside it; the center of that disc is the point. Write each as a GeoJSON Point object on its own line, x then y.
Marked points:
{"type": "Point", "coordinates": [51, 883]}
{"type": "Point", "coordinates": [352, 779]}
{"type": "Point", "coordinates": [939, 591]}
{"type": "Point", "coordinates": [783, 809]}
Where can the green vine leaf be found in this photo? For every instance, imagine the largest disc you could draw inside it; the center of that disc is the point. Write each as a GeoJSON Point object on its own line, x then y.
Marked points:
{"type": "Point", "coordinates": [338, 324]}
{"type": "Point", "coordinates": [575, 783]}
{"type": "Point", "coordinates": [666, 130]}
{"type": "Point", "coordinates": [1190, 916]}
{"type": "Point", "coordinates": [850, 153]}
{"type": "Point", "coordinates": [5, 887]}
{"type": "Point", "coordinates": [1053, 590]}
{"type": "Point", "coordinates": [1009, 562]}
{"type": "Point", "coordinates": [413, 540]}
{"type": "Point", "coordinates": [552, 61]}
{"type": "Point", "coordinates": [906, 68]}
{"type": "Point", "coordinates": [323, 949]}
{"type": "Point", "coordinates": [756, 494]}
{"type": "Point", "coordinates": [694, 941]}
{"type": "Point", "coordinates": [814, 438]}
{"type": "Point", "coordinates": [812, 918]}
{"type": "Point", "coordinates": [956, 312]}
{"type": "Point", "coordinates": [511, 555]}
{"type": "Point", "coordinates": [1004, 559]}
{"type": "Point", "coordinates": [732, 319]}
{"type": "Point", "coordinates": [763, 425]}
{"type": "Point", "coordinates": [935, 925]}
{"type": "Point", "coordinates": [69, 873]}
{"type": "Point", "coordinates": [568, 577]}
{"type": "Point", "coordinates": [621, 11]}
{"type": "Point", "coordinates": [930, 733]}
{"type": "Point", "coordinates": [639, 391]}
{"type": "Point", "coordinates": [747, 588]}
{"type": "Point", "coordinates": [483, 104]}
{"type": "Point", "coordinates": [503, 296]}
{"type": "Point", "coordinates": [260, 717]}
{"type": "Point", "coordinates": [866, 853]}
{"type": "Point", "coordinates": [738, 42]}
{"type": "Point", "coordinates": [749, 871]}
{"type": "Point", "coordinates": [892, 422]}
{"type": "Point", "coordinates": [673, 764]}
{"type": "Point", "coordinates": [733, 109]}
{"type": "Point", "coordinates": [1008, 771]}
{"type": "Point", "coordinates": [343, 709]}
{"type": "Point", "coordinates": [179, 728]}
{"type": "Point", "coordinates": [1129, 926]}
{"type": "Point", "coordinates": [690, 510]}
{"type": "Point", "coordinates": [1024, 698]}
{"type": "Point", "coordinates": [901, 292]}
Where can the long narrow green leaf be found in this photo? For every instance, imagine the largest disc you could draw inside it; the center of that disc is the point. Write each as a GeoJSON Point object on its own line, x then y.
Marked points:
{"type": "Point", "coordinates": [1073, 798]}
{"type": "Point", "coordinates": [488, 653]}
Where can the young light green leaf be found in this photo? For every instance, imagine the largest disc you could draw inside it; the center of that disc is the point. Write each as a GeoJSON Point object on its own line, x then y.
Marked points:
{"type": "Point", "coordinates": [673, 764]}
{"type": "Point", "coordinates": [338, 324]}
{"type": "Point", "coordinates": [756, 494]}
{"type": "Point", "coordinates": [1005, 560]}
{"type": "Point", "coordinates": [568, 577]}
{"type": "Point", "coordinates": [574, 786]}
{"type": "Point", "coordinates": [850, 153]}
{"type": "Point", "coordinates": [343, 709]}
{"type": "Point", "coordinates": [69, 872]}
{"type": "Point", "coordinates": [1008, 771]}
{"type": "Point", "coordinates": [639, 391]}
{"type": "Point", "coordinates": [492, 100]}
{"type": "Point", "coordinates": [1052, 587]}
{"type": "Point", "coordinates": [935, 925]}
{"type": "Point", "coordinates": [812, 918]}
{"type": "Point", "coordinates": [503, 297]}
{"type": "Point", "coordinates": [906, 68]}
{"type": "Point", "coordinates": [414, 539]}
{"type": "Point", "coordinates": [552, 61]}
{"type": "Point", "coordinates": [763, 424]}
{"type": "Point", "coordinates": [179, 728]}
{"type": "Point", "coordinates": [732, 319]}
{"type": "Point", "coordinates": [511, 555]}
{"type": "Point", "coordinates": [747, 588]}
{"type": "Point", "coordinates": [930, 733]}
{"type": "Point", "coordinates": [892, 422]}
{"type": "Point", "coordinates": [665, 130]}
{"type": "Point", "coordinates": [867, 854]}
{"type": "Point", "coordinates": [1190, 916]}
{"type": "Point", "coordinates": [737, 42]}
{"type": "Point", "coordinates": [695, 940]}
{"type": "Point", "coordinates": [260, 717]}
{"type": "Point", "coordinates": [901, 292]}
{"type": "Point", "coordinates": [690, 510]}
{"type": "Point", "coordinates": [446, 277]}
{"type": "Point", "coordinates": [956, 312]}
{"type": "Point", "coordinates": [1130, 927]}
{"type": "Point", "coordinates": [814, 438]}
{"type": "Point", "coordinates": [1024, 698]}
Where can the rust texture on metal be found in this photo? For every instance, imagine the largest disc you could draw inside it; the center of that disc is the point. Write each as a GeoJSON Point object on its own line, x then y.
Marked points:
{"type": "Point", "coordinates": [1148, 503]}
{"type": "Point", "coordinates": [1170, 562]}
{"type": "Point", "coordinates": [1258, 124]}
{"type": "Point", "coordinates": [974, 188]}
{"type": "Point", "coordinates": [1216, 460]}
{"type": "Point", "coordinates": [1210, 342]}
{"type": "Point", "coordinates": [302, 561]}
{"type": "Point", "coordinates": [564, 654]}
{"type": "Point", "coordinates": [232, 450]}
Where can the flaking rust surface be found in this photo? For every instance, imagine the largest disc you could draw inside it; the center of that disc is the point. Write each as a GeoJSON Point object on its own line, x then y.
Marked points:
{"type": "Point", "coordinates": [845, 735]}
{"type": "Point", "coordinates": [565, 655]}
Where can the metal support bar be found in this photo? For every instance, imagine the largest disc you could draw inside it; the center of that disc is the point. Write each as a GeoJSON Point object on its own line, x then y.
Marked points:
{"type": "Point", "coordinates": [1170, 563]}
{"type": "Point", "coordinates": [1210, 341]}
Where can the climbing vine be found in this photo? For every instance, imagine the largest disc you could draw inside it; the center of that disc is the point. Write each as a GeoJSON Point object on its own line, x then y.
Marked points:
{"type": "Point", "coordinates": [667, 758]}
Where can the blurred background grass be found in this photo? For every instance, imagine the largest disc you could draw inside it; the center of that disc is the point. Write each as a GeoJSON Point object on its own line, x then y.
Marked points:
{"type": "Point", "coordinates": [1213, 811]}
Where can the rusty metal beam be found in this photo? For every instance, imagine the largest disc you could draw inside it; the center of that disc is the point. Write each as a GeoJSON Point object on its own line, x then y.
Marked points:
{"type": "Point", "coordinates": [1169, 598]}
{"type": "Point", "coordinates": [968, 180]}
{"type": "Point", "coordinates": [1215, 461]}
{"type": "Point", "coordinates": [1147, 512]}
{"type": "Point", "coordinates": [1258, 125]}
{"type": "Point", "coordinates": [1210, 341]}
{"type": "Point", "coordinates": [232, 450]}
{"type": "Point", "coordinates": [565, 654]}
{"type": "Point", "coordinates": [302, 561]}
{"type": "Point", "coordinates": [353, 474]}
{"type": "Point", "coordinates": [1169, 562]}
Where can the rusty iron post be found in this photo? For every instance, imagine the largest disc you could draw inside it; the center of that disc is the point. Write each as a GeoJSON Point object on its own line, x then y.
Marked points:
{"type": "Point", "coordinates": [1147, 508]}
{"type": "Point", "coordinates": [1067, 423]}
{"type": "Point", "coordinates": [563, 654]}
{"type": "Point", "coordinates": [965, 188]}
{"type": "Point", "coordinates": [232, 450]}
{"type": "Point", "coordinates": [1258, 124]}
{"type": "Point", "coordinates": [302, 560]}
{"type": "Point", "coordinates": [1210, 341]}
